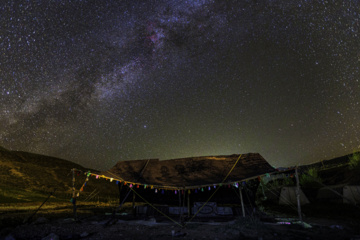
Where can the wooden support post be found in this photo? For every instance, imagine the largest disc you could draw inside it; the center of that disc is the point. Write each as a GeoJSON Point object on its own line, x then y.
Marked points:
{"type": "Point", "coordinates": [242, 201]}
{"type": "Point", "coordinates": [74, 193]}
{"type": "Point", "coordinates": [133, 204]}
{"type": "Point", "coordinates": [180, 208]}
{"type": "Point", "coordinates": [183, 206]}
{"type": "Point", "coordinates": [183, 201]}
{"type": "Point", "coordinates": [188, 204]}
{"type": "Point", "coordinates": [73, 182]}
{"type": "Point", "coordinates": [298, 194]}
{"type": "Point", "coordinates": [120, 188]}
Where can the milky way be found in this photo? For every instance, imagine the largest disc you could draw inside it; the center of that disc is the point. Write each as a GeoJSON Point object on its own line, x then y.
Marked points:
{"type": "Point", "coordinates": [96, 82]}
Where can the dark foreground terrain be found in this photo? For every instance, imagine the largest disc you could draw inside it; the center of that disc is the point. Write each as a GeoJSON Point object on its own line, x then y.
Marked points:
{"type": "Point", "coordinates": [55, 221]}
{"type": "Point", "coordinates": [26, 180]}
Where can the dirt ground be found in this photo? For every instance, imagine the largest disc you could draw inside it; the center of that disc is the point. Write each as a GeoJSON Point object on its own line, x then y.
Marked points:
{"type": "Point", "coordinates": [94, 222]}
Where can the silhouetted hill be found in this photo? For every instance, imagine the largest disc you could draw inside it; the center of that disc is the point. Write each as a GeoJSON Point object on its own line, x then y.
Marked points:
{"type": "Point", "coordinates": [3, 149]}
{"type": "Point", "coordinates": [343, 160]}
{"type": "Point", "coordinates": [337, 170]}
{"type": "Point", "coordinates": [27, 177]}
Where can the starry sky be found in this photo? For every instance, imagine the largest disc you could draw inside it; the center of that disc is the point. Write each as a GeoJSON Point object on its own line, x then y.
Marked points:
{"type": "Point", "coordinates": [98, 81]}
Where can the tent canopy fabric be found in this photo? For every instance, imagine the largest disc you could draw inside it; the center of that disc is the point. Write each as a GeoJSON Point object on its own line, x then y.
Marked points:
{"type": "Point", "coordinates": [186, 173]}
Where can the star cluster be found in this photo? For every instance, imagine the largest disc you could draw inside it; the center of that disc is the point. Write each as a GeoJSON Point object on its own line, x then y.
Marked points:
{"type": "Point", "coordinates": [96, 82]}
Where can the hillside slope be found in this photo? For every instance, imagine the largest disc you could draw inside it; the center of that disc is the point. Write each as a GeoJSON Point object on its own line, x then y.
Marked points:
{"type": "Point", "coordinates": [26, 177]}
{"type": "Point", "coordinates": [29, 177]}
{"type": "Point", "coordinates": [337, 170]}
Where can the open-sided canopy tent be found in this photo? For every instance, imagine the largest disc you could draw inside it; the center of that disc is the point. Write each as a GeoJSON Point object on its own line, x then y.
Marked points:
{"type": "Point", "coordinates": [190, 173]}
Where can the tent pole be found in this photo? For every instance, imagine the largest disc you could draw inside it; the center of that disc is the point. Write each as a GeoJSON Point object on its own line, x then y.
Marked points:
{"type": "Point", "coordinates": [180, 213]}
{"type": "Point", "coordinates": [242, 201]}
{"type": "Point", "coordinates": [133, 205]}
{"type": "Point", "coordinates": [183, 205]}
{"type": "Point", "coordinates": [120, 188]}
{"type": "Point", "coordinates": [298, 194]}
{"type": "Point", "coordinates": [188, 203]}
{"type": "Point", "coordinates": [74, 193]}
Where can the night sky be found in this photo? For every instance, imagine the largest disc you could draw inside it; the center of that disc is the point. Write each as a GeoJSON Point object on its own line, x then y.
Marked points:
{"type": "Point", "coordinates": [95, 82]}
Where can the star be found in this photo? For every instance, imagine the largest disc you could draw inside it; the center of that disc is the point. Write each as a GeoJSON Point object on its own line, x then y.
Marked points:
{"type": "Point", "coordinates": [83, 81]}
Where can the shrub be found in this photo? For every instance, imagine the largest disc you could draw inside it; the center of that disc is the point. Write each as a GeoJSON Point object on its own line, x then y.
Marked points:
{"type": "Point", "coordinates": [310, 178]}
{"type": "Point", "coordinates": [280, 182]}
{"type": "Point", "coordinates": [288, 181]}
{"type": "Point", "coordinates": [274, 184]}
{"type": "Point", "coordinates": [354, 160]}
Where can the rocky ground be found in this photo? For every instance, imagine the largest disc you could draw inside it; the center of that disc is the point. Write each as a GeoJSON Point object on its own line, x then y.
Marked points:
{"type": "Point", "coordinates": [95, 223]}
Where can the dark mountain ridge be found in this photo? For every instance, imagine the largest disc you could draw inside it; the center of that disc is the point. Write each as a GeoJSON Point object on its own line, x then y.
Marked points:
{"type": "Point", "coordinates": [27, 176]}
